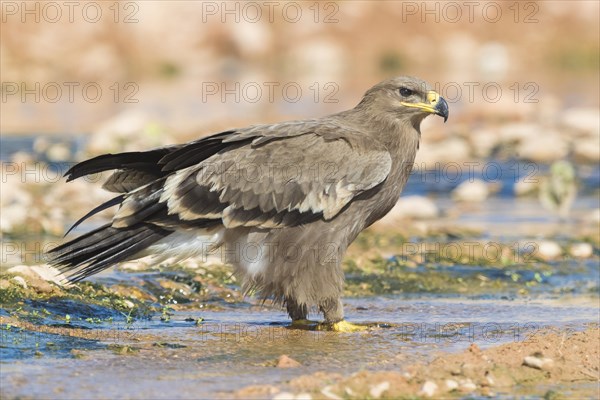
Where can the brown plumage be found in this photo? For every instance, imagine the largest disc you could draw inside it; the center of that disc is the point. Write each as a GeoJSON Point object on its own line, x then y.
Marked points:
{"type": "Point", "coordinates": [281, 202]}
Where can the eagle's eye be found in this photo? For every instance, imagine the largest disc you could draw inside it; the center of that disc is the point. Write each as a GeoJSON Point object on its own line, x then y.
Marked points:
{"type": "Point", "coordinates": [405, 92]}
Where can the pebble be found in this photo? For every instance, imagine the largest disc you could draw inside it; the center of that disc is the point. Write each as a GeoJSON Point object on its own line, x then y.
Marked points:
{"type": "Point", "coordinates": [517, 132]}
{"type": "Point", "coordinates": [431, 155]}
{"type": "Point", "coordinates": [548, 250]}
{"type": "Point", "coordinates": [543, 148]}
{"type": "Point", "coordinates": [429, 389]}
{"type": "Point", "coordinates": [467, 386]}
{"type": "Point", "coordinates": [377, 390]}
{"type": "Point", "coordinates": [20, 281]}
{"type": "Point", "coordinates": [594, 216]}
{"type": "Point", "coordinates": [287, 362]}
{"type": "Point", "coordinates": [451, 384]}
{"type": "Point", "coordinates": [583, 120]}
{"type": "Point", "coordinates": [471, 191]}
{"type": "Point", "coordinates": [525, 187]}
{"type": "Point", "coordinates": [581, 250]}
{"type": "Point", "coordinates": [326, 391]}
{"type": "Point", "coordinates": [284, 396]}
{"type": "Point", "coordinates": [31, 277]}
{"type": "Point", "coordinates": [587, 150]}
{"type": "Point", "coordinates": [541, 363]}
{"type": "Point", "coordinates": [413, 207]}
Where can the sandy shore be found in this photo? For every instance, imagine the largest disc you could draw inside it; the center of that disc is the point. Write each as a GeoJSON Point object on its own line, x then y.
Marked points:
{"type": "Point", "coordinates": [552, 364]}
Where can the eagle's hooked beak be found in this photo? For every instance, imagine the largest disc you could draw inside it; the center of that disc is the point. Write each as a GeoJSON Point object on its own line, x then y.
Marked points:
{"type": "Point", "coordinates": [435, 104]}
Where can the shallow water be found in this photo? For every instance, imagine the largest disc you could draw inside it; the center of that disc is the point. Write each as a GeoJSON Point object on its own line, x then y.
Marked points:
{"type": "Point", "coordinates": [235, 348]}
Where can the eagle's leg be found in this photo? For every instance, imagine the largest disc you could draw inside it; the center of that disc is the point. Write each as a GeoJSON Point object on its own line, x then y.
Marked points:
{"type": "Point", "coordinates": [295, 310]}
{"type": "Point", "coordinates": [333, 310]}
{"type": "Point", "coordinates": [299, 314]}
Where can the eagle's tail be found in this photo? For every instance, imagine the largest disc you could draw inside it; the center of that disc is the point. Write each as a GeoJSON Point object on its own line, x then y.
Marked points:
{"type": "Point", "coordinates": [101, 248]}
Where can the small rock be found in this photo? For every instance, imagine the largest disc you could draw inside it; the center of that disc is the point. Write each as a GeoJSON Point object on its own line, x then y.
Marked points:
{"type": "Point", "coordinates": [451, 150]}
{"type": "Point", "coordinates": [33, 279]}
{"type": "Point", "coordinates": [58, 152]}
{"type": "Point", "coordinates": [377, 390]}
{"type": "Point", "coordinates": [594, 216]}
{"type": "Point", "coordinates": [326, 391]}
{"type": "Point", "coordinates": [541, 363]}
{"type": "Point", "coordinates": [451, 384]}
{"type": "Point", "coordinates": [543, 148]}
{"type": "Point", "coordinates": [303, 396]}
{"type": "Point", "coordinates": [20, 281]}
{"type": "Point", "coordinates": [429, 388]}
{"type": "Point", "coordinates": [284, 396]}
{"type": "Point", "coordinates": [525, 187]}
{"type": "Point", "coordinates": [548, 250]}
{"type": "Point", "coordinates": [473, 348]}
{"type": "Point", "coordinates": [473, 191]}
{"type": "Point", "coordinates": [587, 150]}
{"type": "Point", "coordinates": [517, 132]}
{"type": "Point", "coordinates": [582, 120]}
{"type": "Point", "coordinates": [287, 362]}
{"type": "Point", "coordinates": [414, 207]}
{"type": "Point", "coordinates": [581, 250]}
{"type": "Point", "coordinates": [467, 386]}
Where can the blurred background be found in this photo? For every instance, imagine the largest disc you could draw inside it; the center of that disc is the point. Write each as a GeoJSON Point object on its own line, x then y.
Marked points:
{"type": "Point", "coordinates": [88, 78]}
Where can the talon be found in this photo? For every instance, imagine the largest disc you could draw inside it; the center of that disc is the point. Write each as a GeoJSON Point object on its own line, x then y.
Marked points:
{"type": "Point", "coordinates": [342, 326]}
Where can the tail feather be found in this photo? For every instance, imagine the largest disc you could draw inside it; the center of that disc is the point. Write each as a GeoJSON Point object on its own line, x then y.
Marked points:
{"type": "Point", "coordinates": [101, 207]}
{"type": "Point", "coordinates": [141, 160]}
{"type": "Point", "coordinates": [102, 248]}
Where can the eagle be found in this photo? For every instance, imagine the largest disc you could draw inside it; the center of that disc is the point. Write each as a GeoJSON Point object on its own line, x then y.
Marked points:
{"type": "Point", "coordinates": [281, 203]}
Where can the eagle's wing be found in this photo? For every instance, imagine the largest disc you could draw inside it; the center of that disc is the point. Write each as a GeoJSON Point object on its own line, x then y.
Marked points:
{"type": "Point", "coordinates": [268, 176]}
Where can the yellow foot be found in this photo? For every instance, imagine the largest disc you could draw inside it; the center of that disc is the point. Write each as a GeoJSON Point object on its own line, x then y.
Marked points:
{"type": "Point", "coordinates": [342, 326]}
{"type": "Point", "coordinates": [305, 324]}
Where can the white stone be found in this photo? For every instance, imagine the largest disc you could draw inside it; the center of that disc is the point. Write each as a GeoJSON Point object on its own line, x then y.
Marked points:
{"type": "Point", "coordinates": [467, 386]}
{"type": "Point", "coordinates": [538, 362]}
{"type": "Point", "coordinates": [20, 281]}
{"type": "Point", "coordinates": [59, 152]}
{"type": "Point", "coordinates": [549, 146]}
{"type": "Point", "coordinates": [548, 250]}
{"type": "Point", "coordinates": [326, 391]}
{"type": "Point", "coordinates": [581, 250]}
{"type": "Point", "coordinates": [417, 207]}
{"type": "Point", "coordinates": [429, 389]}
{"type": "Point", "coordinates": [594, 216]}
{"type": "Point", "coordinates": [451, 384]}
{"type": "Point", "coordinates": [284, 396]}
{"type": "Point", "coordinates": [525, 187]}
{"type": "Point", "coordinates": [303, 396]}
{"type": "Point", "coordinates": [471, 191]}
{"type": "Point", "coordinates": [584, 120]}
{"type": "Point", "coordinates": [517, 132]}
{"type": "Point", "coordinates": [430, 155]}
{"type": "Point", "coordinates": [377, 390]}
{"type": "Point", "coordinates": [587, 149]}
